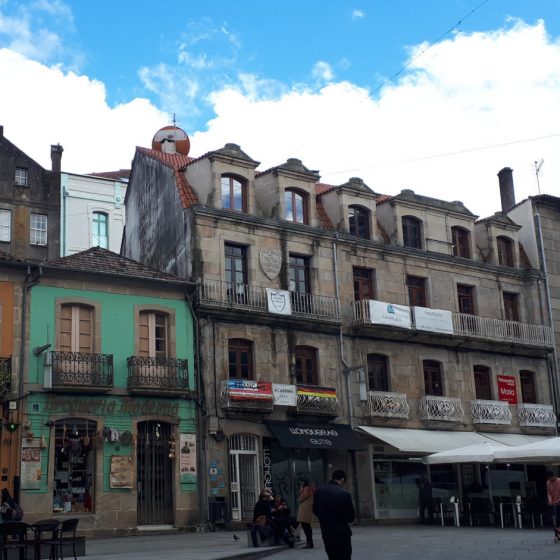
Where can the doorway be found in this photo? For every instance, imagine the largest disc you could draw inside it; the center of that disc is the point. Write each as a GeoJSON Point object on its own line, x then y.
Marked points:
{"type": "Point", "coordinates": [244, 476]}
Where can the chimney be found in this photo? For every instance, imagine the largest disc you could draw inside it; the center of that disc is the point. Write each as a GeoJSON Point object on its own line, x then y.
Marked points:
{"type": "Point", "coordinates": [507, 194]}
{"type": "Point", "coordinates": [56, 157]}
{"type": "Point", "coordinates": [168, 145]}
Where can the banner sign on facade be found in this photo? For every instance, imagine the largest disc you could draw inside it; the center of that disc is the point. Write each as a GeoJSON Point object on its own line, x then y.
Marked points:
{"type": "Point", "coordinates": [244, 389]}
{"type": "Point", "coordinates": [507, 389]}
{"type": "Point", "coordinates": [312, 391]}
{"type": "Point", "coordinates": [279, 301]}
{"type": "Point", "coordinates": [434, 320]}
{"type": "Point", "coordinates": [31, 471]}
{"type": "Point", "coordinates": [284, 395]}
{"type": "Point", "coordinates": [381, 313]}
{"type": "Point", "coordinates": [187, 454]}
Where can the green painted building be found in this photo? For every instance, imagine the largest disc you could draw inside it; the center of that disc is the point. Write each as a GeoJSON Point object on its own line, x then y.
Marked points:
{"type": "Point", "coordinates": [109, 425]}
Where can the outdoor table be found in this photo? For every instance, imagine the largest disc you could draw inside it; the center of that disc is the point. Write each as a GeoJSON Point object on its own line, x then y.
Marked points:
{"type": "Point", "coordinates": [48, 527]}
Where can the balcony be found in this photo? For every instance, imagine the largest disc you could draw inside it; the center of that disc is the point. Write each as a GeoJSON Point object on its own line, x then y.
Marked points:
{"type": "Point", "coordinates": [444, 409]}
{"type": "Point", "coordinates": [317, 400]}
{"type": "Point", "coordinates": [245, 395]}
{"type": "Point", "coordinates": [156, 376]}
{"type": "Point", "coordinates": [536, 415]}
{"type": "Point", "coordinates": [81, 371]}
{"type": "Point", "coordinates": [216, 293]}
{"type": "Point", "coordinates": [490, 412]}
{"type": "Point", "coordinates": [5, 376]}
{"type": "Point", "coordinates": [387, 405]}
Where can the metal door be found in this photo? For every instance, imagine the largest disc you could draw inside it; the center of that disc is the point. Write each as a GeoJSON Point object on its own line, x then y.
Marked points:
{"type": "Point", "coordinates": [244, 476]}
{"type": "Point", "coordinates": [155, 474]}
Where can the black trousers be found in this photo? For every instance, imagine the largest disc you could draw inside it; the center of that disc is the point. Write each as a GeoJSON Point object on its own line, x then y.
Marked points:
{"type": "Point", "coordinates": [308, 531]}
{"type": "Point", "coordinates": [338, 547]}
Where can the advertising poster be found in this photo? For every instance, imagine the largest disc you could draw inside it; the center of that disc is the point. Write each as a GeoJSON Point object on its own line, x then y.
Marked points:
{"type": "Point", "coordinates": [31, 471]}
{"type": "Point", "coordinates": [122, 471]}
{"type": "Point", "coordinates": [381, 313]}
{"type": "Point", "coordinates": [244, 389]}
{"type": "Point", "coordinates": [284, 395]}
{"type": "Point", "coordinates": [507, 389]}
{"type": "Point", "coordinates": [434, 320]}
{"type": "Point", "coordinates": [187, 454]}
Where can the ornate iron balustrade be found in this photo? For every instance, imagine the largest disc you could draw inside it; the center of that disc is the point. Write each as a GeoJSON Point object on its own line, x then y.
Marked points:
{"type": "Point", "coordinates": [5, 376]}
{"type": "Point", "coordinates": [254, 298]}
{"type": "Point", "coordinates": [387, 405]}
{"type": "Point", "coordinates": [490, 412]}
{"type": "Point", "coordinates": [538, 415]}
{"type": "Point", "coordinates": [311, 401]}
{"type": "Point", "coordinates": [164, 374]}
{"type": "Point", "coordinates": [445, 409]}
{"type": "Point", "coordinates": [249, 403]}
{"type": "Point", "coordinates": [82, 369]}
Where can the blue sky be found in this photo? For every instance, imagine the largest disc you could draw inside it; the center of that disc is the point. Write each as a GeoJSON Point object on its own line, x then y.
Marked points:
{"type": "Point", "coordinates": [309, 79]}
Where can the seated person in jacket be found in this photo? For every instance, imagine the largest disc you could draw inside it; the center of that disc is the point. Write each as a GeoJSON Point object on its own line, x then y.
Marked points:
{"type": "Point", "coordinates": [282, 522]}
{"type": "Point", "coordinates": [262, 517]}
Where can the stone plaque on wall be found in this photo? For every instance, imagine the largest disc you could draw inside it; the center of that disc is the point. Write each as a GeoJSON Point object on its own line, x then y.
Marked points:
{"type": "Point", "coordinates": [271, 262]}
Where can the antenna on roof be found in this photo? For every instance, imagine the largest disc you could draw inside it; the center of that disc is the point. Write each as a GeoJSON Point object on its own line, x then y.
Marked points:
{"type": "Point", "coordinates": [538, 166]}
{"type": "Point", "coordinates": [174, 120]}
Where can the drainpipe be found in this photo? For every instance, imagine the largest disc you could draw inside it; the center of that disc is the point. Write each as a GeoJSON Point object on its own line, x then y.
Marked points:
{"type": "Point", "coordinates": [65, 195]}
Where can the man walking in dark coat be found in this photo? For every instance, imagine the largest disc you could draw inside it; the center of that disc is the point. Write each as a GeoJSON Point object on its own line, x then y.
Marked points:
{"type": "Point", "coordinates": [333, 506]}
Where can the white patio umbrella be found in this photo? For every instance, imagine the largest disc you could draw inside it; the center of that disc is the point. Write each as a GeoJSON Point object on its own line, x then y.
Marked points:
{"type": "Point", "coordinates": [476, 453]}
{"type": "Point", "coordinates": [545, 451]}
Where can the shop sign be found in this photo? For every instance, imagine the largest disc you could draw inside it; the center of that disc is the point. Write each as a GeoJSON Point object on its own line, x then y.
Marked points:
{"type": "Point", "coordinates": [320, 392]}
{"type": "Point", "coordinates": [271, 262]}
{"type": "Point", "coordinates": [284, 395]}
{"type": "Point", "coordinates": [507, 389]}
{"type": "Point", "coordinates": [279, 301]}
{"type": "Point", "coordinates": [243, 389]}
{"type": "Point", "coordinates": [434, 320]}
{"type": "Point", "coordinates": [100, 406]}
{"type": "Point", "coordinates": [187, 455]}
{"type": "Point", "coordinates": [31, 464]}
{"type": "Point", "coordinates": [267, 468]}
{"type": "Point", "coordinates": [381, 313]}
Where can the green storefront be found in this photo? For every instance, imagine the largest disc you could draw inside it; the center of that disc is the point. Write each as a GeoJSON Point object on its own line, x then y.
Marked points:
{"type": "Point", "coordinates": [109, 430]}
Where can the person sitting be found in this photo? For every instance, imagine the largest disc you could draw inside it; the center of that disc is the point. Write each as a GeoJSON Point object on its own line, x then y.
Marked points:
{"type": "Point", "coordinates": [7, 506]}
{"type": "Point", "coordinates": [262, 517]}
{"type": "Point", "coordinates": [282, 522]}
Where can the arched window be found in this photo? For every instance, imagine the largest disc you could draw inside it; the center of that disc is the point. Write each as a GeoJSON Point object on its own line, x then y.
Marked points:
{"type": "Point", "coordinates": [100, 230]}
{"type": "Point", "coordinates": [433, 379]}
{"type": "Point", "coordinates": [358, 218]}
{"type": "Point", "coordinates": [296, 206]}
{"type": "Point", "coordinates": [482, 383]}
{"type": "Point", "coordinates": [461, 242]}
{"type": "Point", "coordinates": [528, 388]}
{"type": "Point", "coordinates": [234, 194]}
{"type": "Point", "coordinates": [412, 232]}
{"type": "Point", "coordinates": [378, 372]}
{"type": "Point", "coordinates": [240, 357]}
{"type": "Point", "coordinates": [505, 251]}
{"type": "Point", "coordinates": [306, 365]}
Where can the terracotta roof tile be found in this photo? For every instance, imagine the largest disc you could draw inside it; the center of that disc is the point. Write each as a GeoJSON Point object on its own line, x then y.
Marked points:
{"type": "Point", "coordinates": [321, 188]}
{"type": "Point", "coordinates": [383, 198]}
{"type": "Point", "coordinates": [327, 224]}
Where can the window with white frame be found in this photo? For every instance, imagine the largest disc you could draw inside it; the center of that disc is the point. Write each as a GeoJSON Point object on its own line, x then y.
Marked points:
{"type": "Point", "coordinates": [5, 225]}
{"type": "Point", "coordinates": [38, 229]}
{"type": "Point", "coordinates": [21, 177]}
{"type": "Point", "coordinates": [100, 233]}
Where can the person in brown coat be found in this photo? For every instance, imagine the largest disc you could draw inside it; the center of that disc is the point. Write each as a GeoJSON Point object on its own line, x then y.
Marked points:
{"type": "Point", "coordinates": [305, 510]}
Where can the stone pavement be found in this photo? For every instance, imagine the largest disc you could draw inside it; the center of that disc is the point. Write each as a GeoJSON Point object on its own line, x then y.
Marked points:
{"type": "Point", "coordinates": [394, 542]}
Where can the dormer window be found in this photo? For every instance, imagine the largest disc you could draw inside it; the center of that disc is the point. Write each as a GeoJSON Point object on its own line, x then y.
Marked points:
{"type": "Point", "coordinates": [234, 196]}
{"type": "Point", "coordinates": [461, 242]}
{"type": "Point", "coordinates": [412, 232]}
{"type": "Point", "coordinates": [358, 218]}
{"type": "Point", "coordinates": [21, 177]}
{"type": "Point", "coordinates": [296, 206]}
{"type": "Point", "coordinates": [505, 251]}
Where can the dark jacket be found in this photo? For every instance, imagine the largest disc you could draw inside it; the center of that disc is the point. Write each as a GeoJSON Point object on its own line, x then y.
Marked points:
{"type": "Point", "coordinates": [262, 507]}
{"type": "Point", "coordinates": [333, 506]}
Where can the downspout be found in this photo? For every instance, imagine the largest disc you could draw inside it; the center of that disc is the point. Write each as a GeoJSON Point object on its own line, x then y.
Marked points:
{"type": "Point", "coordinates": [553, 371]}
{"type": "Point", "coordinates": [64, 197]}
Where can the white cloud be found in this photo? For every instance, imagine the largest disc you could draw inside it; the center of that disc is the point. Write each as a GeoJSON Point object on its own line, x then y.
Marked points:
{"type": "Point", "coordinates": [322, 71]}
{"type": "Point", "coordinates": [358, 14]}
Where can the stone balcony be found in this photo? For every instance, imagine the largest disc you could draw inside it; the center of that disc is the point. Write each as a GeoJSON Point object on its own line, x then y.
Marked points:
{"type": "Point", "coordinates": [490, 412]}
{"type": "Point", "coordinates": [536, 415]}
{"type": "Point", "coordinates": [442, 409]}
{"type": "Point", "coordinates": [385, 404]}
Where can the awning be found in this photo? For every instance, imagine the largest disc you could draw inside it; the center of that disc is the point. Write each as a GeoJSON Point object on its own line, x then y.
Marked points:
{"type": "Point", "coordinates": [315, 436]}
{"type": "Point", "coordinates": [431, 441]}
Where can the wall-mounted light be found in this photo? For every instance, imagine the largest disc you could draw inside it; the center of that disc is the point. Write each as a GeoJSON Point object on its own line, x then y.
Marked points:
{"type": "Point", "coordinates": [11, 426]}
{"type": "Point", "coordinates": [38, 350]}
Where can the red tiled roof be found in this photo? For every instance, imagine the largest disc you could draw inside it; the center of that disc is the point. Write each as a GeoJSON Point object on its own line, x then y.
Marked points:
{"type": "Point", "coordinates": [321, 188]}
{"type": "Point", "coordinates": [327, 224]}
{"type": "Point", "coordinates": [177, 162]}
{"type": "Point", "coordinates": [383, 198]}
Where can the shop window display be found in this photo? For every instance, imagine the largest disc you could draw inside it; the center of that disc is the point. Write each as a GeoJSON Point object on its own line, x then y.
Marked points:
{"type": "Point", "coordinates": [74, 466]}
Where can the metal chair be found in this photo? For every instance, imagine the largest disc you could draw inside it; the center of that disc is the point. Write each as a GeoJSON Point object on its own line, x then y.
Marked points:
{"type": "Point", "coordinates": [67, 535]}
{"type": "Point", "coordinates": [46, 534]}
{"type": "Point", "coordinates": [13, 536]}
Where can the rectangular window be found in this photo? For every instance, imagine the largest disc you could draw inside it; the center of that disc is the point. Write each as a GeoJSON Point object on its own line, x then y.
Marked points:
{"type": "Point", "coordinates": [236, 272]}
{"type": "Point", "coordinates": [100, 234]}
{"type": "Point", "coordinates": [38, 229]}
{"type": "Point", "coordinates": [364, 284]}
{"type": "Point", "coordinates": [306, 365]}
{"type": "Point", "coordinates": [482, 383]}
{"type": "Point", "coordinates": [378, 372]}
{"type": "Point", "coordinates": [528, 388]}
{"type": "Point", "coordinates": [21, 177]}
{"type": "Point", "coordinates": [299, 275]}
{"type": "Point", "coordinates": [76, 328]}
{"type": "Point", "coordinates": [240, 357]}
{"type": "Point", "coordinates": [153, 334]}
{"type": "Point", "coordinates": [511, 307]}
{"type": "Point", "coordinates": [465, 296]}
{"type": "Point", "coordinates": [417, 291]}
{"type": "Point", "coordinates": [5, 225]}
{"type": "Point", "coordinates": [433, 382]}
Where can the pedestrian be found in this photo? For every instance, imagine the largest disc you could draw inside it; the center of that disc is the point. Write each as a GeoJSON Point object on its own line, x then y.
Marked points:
{"type": "Point", "coordinates": [305, 510]}
{"type": "Point", "coordinates": [335, 510]}
{"type": "Point", "coordinates": [262, 517]}
{"type": "Point", "coordinates": [553, 495]}
{"type": "Point", "coordinates": [7, 506]}
{"type": "Point", "coordinates": [425, 500]}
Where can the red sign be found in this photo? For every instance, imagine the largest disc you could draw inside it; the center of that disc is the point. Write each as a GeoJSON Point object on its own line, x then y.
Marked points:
{"type": "Point", "coordinates": [244, 389]}
{"type": "Point", "coordinates": [507, 389]}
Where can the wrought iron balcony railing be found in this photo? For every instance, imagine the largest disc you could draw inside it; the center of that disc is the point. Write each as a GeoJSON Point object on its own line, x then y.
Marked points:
{"type": "Point", "coordinates": [446, 409]}
{"type": "Point", "coordinates": [160, 374]}
{"type": "Point", "coordinates": [387, 405]}
{"type": "Point", "coordinates": [490, 412]}
{"type": "Point", "coordinates": [245, 394]}
{"type": "Point", "coordinates": [482, 328]}
{"type": "Point", "coordinates": [5, 376]}
{"type": "Point", "coordinates": [537, 415]}
{"type": "Point", "coordinates": [254, 298]}
{"type": "Point", "coordinates": [312, 399]}
{"type": "Point", "coordinates": [82, 370]}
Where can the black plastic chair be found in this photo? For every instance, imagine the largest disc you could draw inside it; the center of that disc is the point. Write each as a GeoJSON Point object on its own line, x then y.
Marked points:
{"type": "Point", "coordinates": [67, 535]}
{"type": "Point", "coordinates": [46, 534]}
{"type": "Point", "coordinates": [13, 536]}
